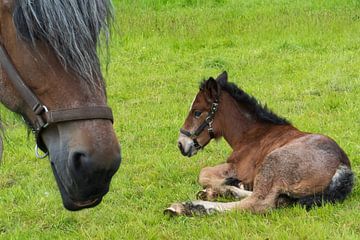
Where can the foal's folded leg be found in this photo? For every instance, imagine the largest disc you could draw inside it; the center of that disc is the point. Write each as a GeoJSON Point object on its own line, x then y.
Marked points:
{"type": "Point", "coordinates": [220, 181]}
{"type": "Point", "coordinates": [263, 198]}
{"type": "Point", "coordinates": [223, 191]}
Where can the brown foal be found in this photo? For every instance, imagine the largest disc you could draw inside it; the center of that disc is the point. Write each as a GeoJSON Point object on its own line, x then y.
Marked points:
{"type": "Point", "coordinates": [272, 164]}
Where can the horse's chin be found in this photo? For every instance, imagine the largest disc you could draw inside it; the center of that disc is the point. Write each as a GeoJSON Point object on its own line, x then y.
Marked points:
{"type": "Point", "coordinates": [71, 204]}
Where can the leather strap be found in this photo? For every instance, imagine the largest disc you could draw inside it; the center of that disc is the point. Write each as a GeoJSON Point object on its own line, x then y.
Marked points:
{"type": "Point", "coordinates": [74, 114]}
{"type": "Point", "coordinates": [18, 83]}
{"type": "Point", "coordinates": [44, 117]}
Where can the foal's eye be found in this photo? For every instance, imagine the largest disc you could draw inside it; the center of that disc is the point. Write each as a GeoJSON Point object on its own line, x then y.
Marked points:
{"type": "Point", "coordinates": [197, 114]}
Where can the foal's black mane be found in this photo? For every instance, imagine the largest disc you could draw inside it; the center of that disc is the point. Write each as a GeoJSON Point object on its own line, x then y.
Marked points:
{"type": "Point", "coordinates": [262, 112]}
{"type": "Point", "coordinates": [70, 27]}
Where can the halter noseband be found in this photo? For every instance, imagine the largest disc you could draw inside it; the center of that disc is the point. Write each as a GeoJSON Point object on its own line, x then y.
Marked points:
{"type": "Point", "coordinates": [45, 117]}
{"type": "Point", "coordinates": [207, 123]}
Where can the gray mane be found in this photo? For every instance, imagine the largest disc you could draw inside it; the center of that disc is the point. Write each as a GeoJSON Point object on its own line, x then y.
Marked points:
{"type": "Point", "coordinates": [71, 28]}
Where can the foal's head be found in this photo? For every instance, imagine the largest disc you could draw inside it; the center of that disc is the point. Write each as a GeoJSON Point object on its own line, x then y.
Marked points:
{"type": "Point", "coordinates": [52, 44]}
{"type": "Point", "coordinates": [201, 124]}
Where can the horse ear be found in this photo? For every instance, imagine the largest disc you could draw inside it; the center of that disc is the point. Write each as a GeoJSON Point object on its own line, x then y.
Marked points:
{"type": "Point", "coordinates": [212, 89]}
{"type": "Point", "coordinates": [222, 78]}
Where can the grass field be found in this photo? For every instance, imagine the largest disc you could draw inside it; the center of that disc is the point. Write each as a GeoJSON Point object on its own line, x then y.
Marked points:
{"type": "Point", "coordinates": [302, 58]}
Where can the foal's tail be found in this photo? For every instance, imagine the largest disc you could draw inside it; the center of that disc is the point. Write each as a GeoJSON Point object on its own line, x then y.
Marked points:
{"type": "Point", "coordinates": [340, 186]}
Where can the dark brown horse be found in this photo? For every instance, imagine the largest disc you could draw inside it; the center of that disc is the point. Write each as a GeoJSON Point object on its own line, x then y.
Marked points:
{"type": "Point", "coordinates": [272, 164]}
{"type": "Point", "coordinates": [52, 46]}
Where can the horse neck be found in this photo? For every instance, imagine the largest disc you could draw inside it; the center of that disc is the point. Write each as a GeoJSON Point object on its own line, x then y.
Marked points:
{"type": "Point", "coordinates": [234, 121]}
{"type": "Point", "coordinates": [238, 124]}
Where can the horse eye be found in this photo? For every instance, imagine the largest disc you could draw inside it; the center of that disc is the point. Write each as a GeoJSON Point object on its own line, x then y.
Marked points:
{"type": "Point", "coordinates": [197, 114]}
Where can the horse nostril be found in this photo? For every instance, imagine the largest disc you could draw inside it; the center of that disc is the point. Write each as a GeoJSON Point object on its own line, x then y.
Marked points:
{"type": "Point", "coordinates": [78, 160]}
{"type": "Point", "coordinates": [84, 165]}
{"type": "Point", "coordinates": [181, 147]}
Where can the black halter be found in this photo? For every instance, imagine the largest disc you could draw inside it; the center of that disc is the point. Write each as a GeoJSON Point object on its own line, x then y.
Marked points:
{"type": "Point", "coordinates": [45, 117]}
{"type": "Point", "coordinates": [207, 123]}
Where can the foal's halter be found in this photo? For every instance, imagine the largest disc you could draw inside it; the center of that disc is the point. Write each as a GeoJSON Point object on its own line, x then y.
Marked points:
{"type": "Point", "coordinates": [44, 116]}
{"type": "Point", "coordinates": [207, 123]}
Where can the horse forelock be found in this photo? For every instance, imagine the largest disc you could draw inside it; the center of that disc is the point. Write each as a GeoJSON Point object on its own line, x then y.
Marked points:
{"type": "Point", "coordinates": [70, 27]}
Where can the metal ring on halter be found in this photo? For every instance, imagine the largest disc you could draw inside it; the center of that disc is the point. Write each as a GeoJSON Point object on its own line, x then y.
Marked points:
{"type": "Point", "coordinates": [37, 154]}
{"type": "Point", "coordinates": [46, 110]}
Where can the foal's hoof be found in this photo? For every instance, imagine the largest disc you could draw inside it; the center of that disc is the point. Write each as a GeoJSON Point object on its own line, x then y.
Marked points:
{"type": "Point", "coordinates": [206, 195]}
{"type": "Point", "coordinates": [202, 195]}
{"type": "Point", "coordinates": [175, 209]}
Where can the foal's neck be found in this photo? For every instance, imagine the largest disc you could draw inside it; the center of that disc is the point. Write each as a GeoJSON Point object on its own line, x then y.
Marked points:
{"type": "Point", "coordinates": [240, 125]}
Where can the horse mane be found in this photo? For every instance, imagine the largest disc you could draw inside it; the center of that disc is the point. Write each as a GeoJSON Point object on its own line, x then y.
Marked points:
{"type": "Point", "coordinates": [70, 27]}
{"type": "Point", "coordinates": [262, 112]}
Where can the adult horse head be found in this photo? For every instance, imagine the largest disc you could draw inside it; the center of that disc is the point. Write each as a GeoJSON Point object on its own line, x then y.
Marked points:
{"type": "Point", "coordinates": [52, 46]}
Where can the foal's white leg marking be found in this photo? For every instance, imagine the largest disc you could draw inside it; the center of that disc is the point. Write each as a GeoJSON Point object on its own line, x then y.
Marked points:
{"type": "Point", "coordinates": [208, 193]}
{"type": "Point", "coordinates": [198, 207]}
{"type": "Point", "coordinates": [217, 206]}
{"type": "Point", "coordinates": [238, 192]}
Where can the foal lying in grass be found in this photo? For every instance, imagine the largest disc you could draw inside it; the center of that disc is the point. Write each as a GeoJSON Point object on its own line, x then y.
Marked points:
{"type": "Point", "coordinates": [272, 164]}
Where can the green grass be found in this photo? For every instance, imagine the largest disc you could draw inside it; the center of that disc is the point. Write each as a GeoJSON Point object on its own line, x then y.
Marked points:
{"type": "Point", "coordinates": [300, 57]}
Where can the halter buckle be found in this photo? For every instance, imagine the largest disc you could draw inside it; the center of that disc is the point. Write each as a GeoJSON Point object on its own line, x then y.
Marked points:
{"type": "Point", "coordinates": [41, 123]}
{"type": "Point", "coordinates": [214, 106]}
{"type": "Point", "coordinates": [209, 120]}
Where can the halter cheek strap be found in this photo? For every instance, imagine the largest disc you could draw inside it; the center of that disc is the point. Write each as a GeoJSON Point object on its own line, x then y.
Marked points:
{"type": "Point", "coordinates": [45, 117]}
{"type": "Point", "coordinates": [207, 123]}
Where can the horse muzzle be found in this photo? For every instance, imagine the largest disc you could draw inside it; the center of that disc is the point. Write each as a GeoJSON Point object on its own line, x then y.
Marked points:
{"type": "Point", "coordinates": [84, 157]}
{"type": "Point", "coordinates": [186, 146]}
{"type": "Point", "coordinates": [83, 191]}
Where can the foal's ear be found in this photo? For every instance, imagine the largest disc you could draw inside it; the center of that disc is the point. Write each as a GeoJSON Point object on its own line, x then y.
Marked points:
{"type": "Point", "coordinates": [212, 89]}
{"type": "Point", "coordinates": [222, 78]}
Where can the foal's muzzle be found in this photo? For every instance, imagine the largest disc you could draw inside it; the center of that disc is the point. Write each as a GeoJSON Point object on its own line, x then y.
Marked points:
{"type": "Point", "coordinates": [182, 150]}
{"type": "Point", "coordinates": [186, 146]}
